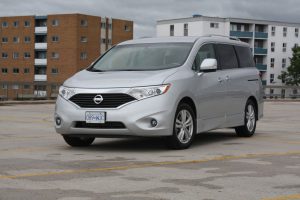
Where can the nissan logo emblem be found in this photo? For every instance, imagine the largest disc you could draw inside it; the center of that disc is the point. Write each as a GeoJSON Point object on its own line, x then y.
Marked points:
{"type": "Point", "coordinates": [98, 99]}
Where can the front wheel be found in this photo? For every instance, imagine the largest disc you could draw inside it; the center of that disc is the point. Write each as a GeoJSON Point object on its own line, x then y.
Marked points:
{"type": "Point", "coordinates": [248, 129]}
{"type": "Point", "coordinates": [78, 141]}
{"type": "Point", "coordinates": [184, 128]}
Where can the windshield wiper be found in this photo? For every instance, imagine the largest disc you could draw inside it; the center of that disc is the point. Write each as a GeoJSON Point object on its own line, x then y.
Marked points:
{"type": "Point", "coordinates": [95, 70]}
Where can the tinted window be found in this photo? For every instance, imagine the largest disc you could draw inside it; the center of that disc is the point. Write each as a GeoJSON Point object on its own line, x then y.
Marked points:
{"type": "Point", "coordinates": [245, 56]}
{"type": "Point", "coordinates": [226, 56]}
{"type": "Point", "coordinates": [206, 51]}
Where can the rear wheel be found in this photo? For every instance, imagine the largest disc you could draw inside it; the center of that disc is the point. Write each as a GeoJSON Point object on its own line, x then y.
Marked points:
{"type": "Point", "coordinates": [78, 141]}
{"type": "Point", "coordinates": [248, 129]}
{"type": "Point", "coordinates": [184, 128]}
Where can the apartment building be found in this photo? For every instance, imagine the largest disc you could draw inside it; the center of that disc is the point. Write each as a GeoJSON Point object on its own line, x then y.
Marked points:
{"type": "Point", "coordinates": [271, 41]}
{"type": "Point", "coordinates": [37, 53]}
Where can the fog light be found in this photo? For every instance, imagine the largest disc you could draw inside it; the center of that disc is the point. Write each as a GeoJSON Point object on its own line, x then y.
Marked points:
{"type": "Point", "coordinates": [58, 121]}
{"type": "Point", "coordinates": [153, 122]}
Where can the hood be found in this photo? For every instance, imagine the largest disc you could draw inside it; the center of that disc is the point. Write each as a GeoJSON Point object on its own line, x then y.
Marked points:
{"type": "Point", "coordinates": [117, 79]}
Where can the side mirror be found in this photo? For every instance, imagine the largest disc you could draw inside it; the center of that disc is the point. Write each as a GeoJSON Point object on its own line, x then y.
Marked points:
{"type": "Point", "coordinates": [208, 64]}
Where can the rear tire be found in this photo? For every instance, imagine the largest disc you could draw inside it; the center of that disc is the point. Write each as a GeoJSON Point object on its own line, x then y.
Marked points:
{"type": "Point", "coordinates": [248, 129]}
{"type": "Point", "coordinates": [78, 141]}
{"type": "Point", "coordinates": [184, 128]}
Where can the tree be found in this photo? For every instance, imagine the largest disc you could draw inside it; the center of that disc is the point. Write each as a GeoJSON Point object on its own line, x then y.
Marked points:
{"type": "Point", "coordinates": [292, 75]}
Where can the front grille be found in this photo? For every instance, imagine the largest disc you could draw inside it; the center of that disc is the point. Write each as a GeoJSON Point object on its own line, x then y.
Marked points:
{"type": "Point", "coordinates": [106, 125]}
{"type": "Point", "coordinates": [110, 100]}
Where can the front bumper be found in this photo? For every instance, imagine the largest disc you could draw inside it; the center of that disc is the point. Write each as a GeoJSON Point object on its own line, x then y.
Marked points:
{"type": "Point", "coordinates": [136, 116]}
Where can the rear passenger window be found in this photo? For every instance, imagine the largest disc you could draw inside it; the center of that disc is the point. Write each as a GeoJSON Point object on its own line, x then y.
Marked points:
{"type": "Point", "coordinates": [245, 56]}
{"type": "Point", "coordinates": [206, 51]}
{"type": "Point", "coordinates": [226, 56]}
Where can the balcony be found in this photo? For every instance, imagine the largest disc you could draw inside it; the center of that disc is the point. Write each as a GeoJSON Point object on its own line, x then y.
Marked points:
{"type": "Point", "coordinates": [260, 51]}
{"type": "Point", "coordinates": [40, 61]}
{"type": "Point", "coordinates": [40, 45]}
{"type": "Point", "coordinates": [261, 35]}
{"type": "Point", "coordinates": [40, 77]}
{"type": "Point", "coordinates": [41, 30]}
{"type": "Point", "coordinates": [261, 67]}
{"type": "Point", "coordinates": [241, 34]}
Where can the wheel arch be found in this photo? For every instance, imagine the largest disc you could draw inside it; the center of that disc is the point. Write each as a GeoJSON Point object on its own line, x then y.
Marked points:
{"type": "Point", "coordinates": [190, 102]}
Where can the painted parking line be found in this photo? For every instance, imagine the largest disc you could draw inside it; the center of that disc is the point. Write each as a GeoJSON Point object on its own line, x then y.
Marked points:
{"type": "Point", "coordinates": [146, 165]}
{"type": "Point", "coordinates": [288, 197]}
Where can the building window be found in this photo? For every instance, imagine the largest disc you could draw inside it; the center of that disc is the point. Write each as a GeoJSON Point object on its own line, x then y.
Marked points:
{"type": "Point", "coordinates": [172, 30]}
{"type": "Point", "coordinates": [15, 70]}
{"type": "Point", "coordinates": [272, 62]}
{"type": "Point", "coordinates": [103, 40]}
{"type": "Point", "coordinates": [214, 25]}
{"type": "Point", "coordinates": [54, 70]}
{"type": "Point", "coordinates": [126, 28]}
{"type": "Point", "coordinates": [54, 87]}
{"type": "Point", "coordinates": [109, 26]}
{"type": "Point", "coordinates": [55, 55]}
{"type": "Point", "coordinates": [185, 29]}
{"type": "Point", "coordinates": [26, 55]}
{"type": "Point", "coordinates": [283, 47]}
{"type": "Point", "coordinates": [26, 87]}
{"type": "Point", "coordinates": [4, 86]}
{"type": "Point", "coordinates": [83, 39]}
{"type": "Point", "coordinates": [5, 40]}
{"type": "Point", "coordinates": [273, 30]}
{"type": "Point", "coordinates": [55, 38]}
{"type": "Point", "coordinates": [83, 22]}
{"type": "Point", "coordinates": [296, 45]}
{"type": "Point", "coordinates": [271, 78]}
{"type": "Point", "coordinates": [284, 31]}
{"type": "Point", "coordinates": [4, 70]}
{"type": "Point", "coordinates": [109, 41]}
{"type": "Point", "coordinates": [271, 91]}
{"type": "Point", "coordinates": [26, 70]}
{"type": "Point", "coordinates": [16, 23]}
{"type": "Point", "coordinates": [272, 46]}
{"type": "Point", "coordinates": [16, 39]}
{"type": "Point", "coordinates": [15, 55]}
{"type": "Point", "coordinates": [283, 62]}
{"type": "Point", "coordinates": [15, 86]}
{"type": "Point", "coordinates": [103, 25]}
{"type": "Point", "coordinates": [26, 39]}
{"type": "Point", "coordinates": [83, 55]}
{"type": "Point", "coordinates": [4, 24]}
{"type": "Point", "coordinates": [4, 55]}
{"type": "Point", "coordinates": [55, 22]}
{"type": "Point", "coordinates": [27, 23]}
{"type": "Point", "coordinates": [296, 32]}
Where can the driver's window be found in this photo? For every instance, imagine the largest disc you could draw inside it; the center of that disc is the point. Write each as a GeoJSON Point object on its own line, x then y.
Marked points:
{"type": "Point", "coordinates": [206, 51]}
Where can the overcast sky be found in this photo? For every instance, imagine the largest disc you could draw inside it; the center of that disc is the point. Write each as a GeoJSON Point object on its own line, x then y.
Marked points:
{"type": "Point", "coordinates": [145, 13]}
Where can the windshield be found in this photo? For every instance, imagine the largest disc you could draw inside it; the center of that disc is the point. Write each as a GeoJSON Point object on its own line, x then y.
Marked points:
{"type": "Point", "coordinates": [140, 57]}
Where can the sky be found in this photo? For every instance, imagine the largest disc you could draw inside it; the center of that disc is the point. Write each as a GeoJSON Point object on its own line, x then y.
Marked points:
{"type": "Point", "coordinates": [145, 13]}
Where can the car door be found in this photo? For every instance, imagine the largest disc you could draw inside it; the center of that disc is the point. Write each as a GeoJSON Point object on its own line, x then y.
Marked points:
{"type": "Point", "coordinates": [232, 80]}
{"type": "Point", "coordinates": [211, 91]}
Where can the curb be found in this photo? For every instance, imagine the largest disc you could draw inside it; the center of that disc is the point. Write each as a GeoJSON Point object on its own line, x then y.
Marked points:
{"type": "Point", "coordinates": [2, 103]}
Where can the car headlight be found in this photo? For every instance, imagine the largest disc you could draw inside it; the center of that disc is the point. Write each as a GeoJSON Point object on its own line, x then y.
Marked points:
{"type": "Point", "coordinates": [66, 92]}
{"type": "Point", "coordinates": [146, 92]}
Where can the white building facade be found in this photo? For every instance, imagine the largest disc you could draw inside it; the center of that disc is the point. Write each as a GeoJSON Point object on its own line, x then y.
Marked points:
{"type": "Point", "coordinates": [271, 42]}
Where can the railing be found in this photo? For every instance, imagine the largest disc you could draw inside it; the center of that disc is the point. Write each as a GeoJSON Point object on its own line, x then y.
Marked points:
{"type": "Point", "coordinates": [241, 34]}
{"type": "Point", "coordinates": [261, 35]}
{"type": "Point", "coordinates": [261, 67]}
{"type": "Point", "coordinates": [260, 51]}
{"type": "Point", "coordinates": [282, 92]}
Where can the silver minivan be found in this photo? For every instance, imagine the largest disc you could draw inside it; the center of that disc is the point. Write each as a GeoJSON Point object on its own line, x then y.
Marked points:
{"type": "Point", "coordinates": [170, 87]}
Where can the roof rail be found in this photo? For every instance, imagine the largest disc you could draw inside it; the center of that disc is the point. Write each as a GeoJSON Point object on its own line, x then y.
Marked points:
{"type": "Point", "coordinates": [229, 37]}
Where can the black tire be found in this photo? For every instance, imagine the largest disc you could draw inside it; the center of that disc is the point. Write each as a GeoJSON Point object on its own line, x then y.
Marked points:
{"type": "Point", "coordinates": [78, 141]}
{"type": "Point", "coordinates": [246, 130]}
{"type": "Point", "coordinates": [173, 141]}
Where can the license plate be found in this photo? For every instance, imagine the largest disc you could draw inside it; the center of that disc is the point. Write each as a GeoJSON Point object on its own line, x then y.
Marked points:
{"type": "Point", "coordinates": [95, 117]}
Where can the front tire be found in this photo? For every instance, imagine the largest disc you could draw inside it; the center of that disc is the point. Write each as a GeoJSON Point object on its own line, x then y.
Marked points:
{"type": "Point", "coordinates": [78, 141]}
{"type": "Point", "coordinates": [248, 129]}
{"type": "Point", "coordinates": [184, 128]}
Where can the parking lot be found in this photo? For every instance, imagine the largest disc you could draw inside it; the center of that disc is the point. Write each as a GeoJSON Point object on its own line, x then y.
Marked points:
{"type": "Point", "coordinates": [35, 163]}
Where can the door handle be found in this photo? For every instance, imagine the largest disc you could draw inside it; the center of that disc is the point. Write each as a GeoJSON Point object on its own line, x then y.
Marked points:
{"type": "Point", "coordinates": [227, 78]}
{"type": "Point", "coordinates": [220, 80]}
